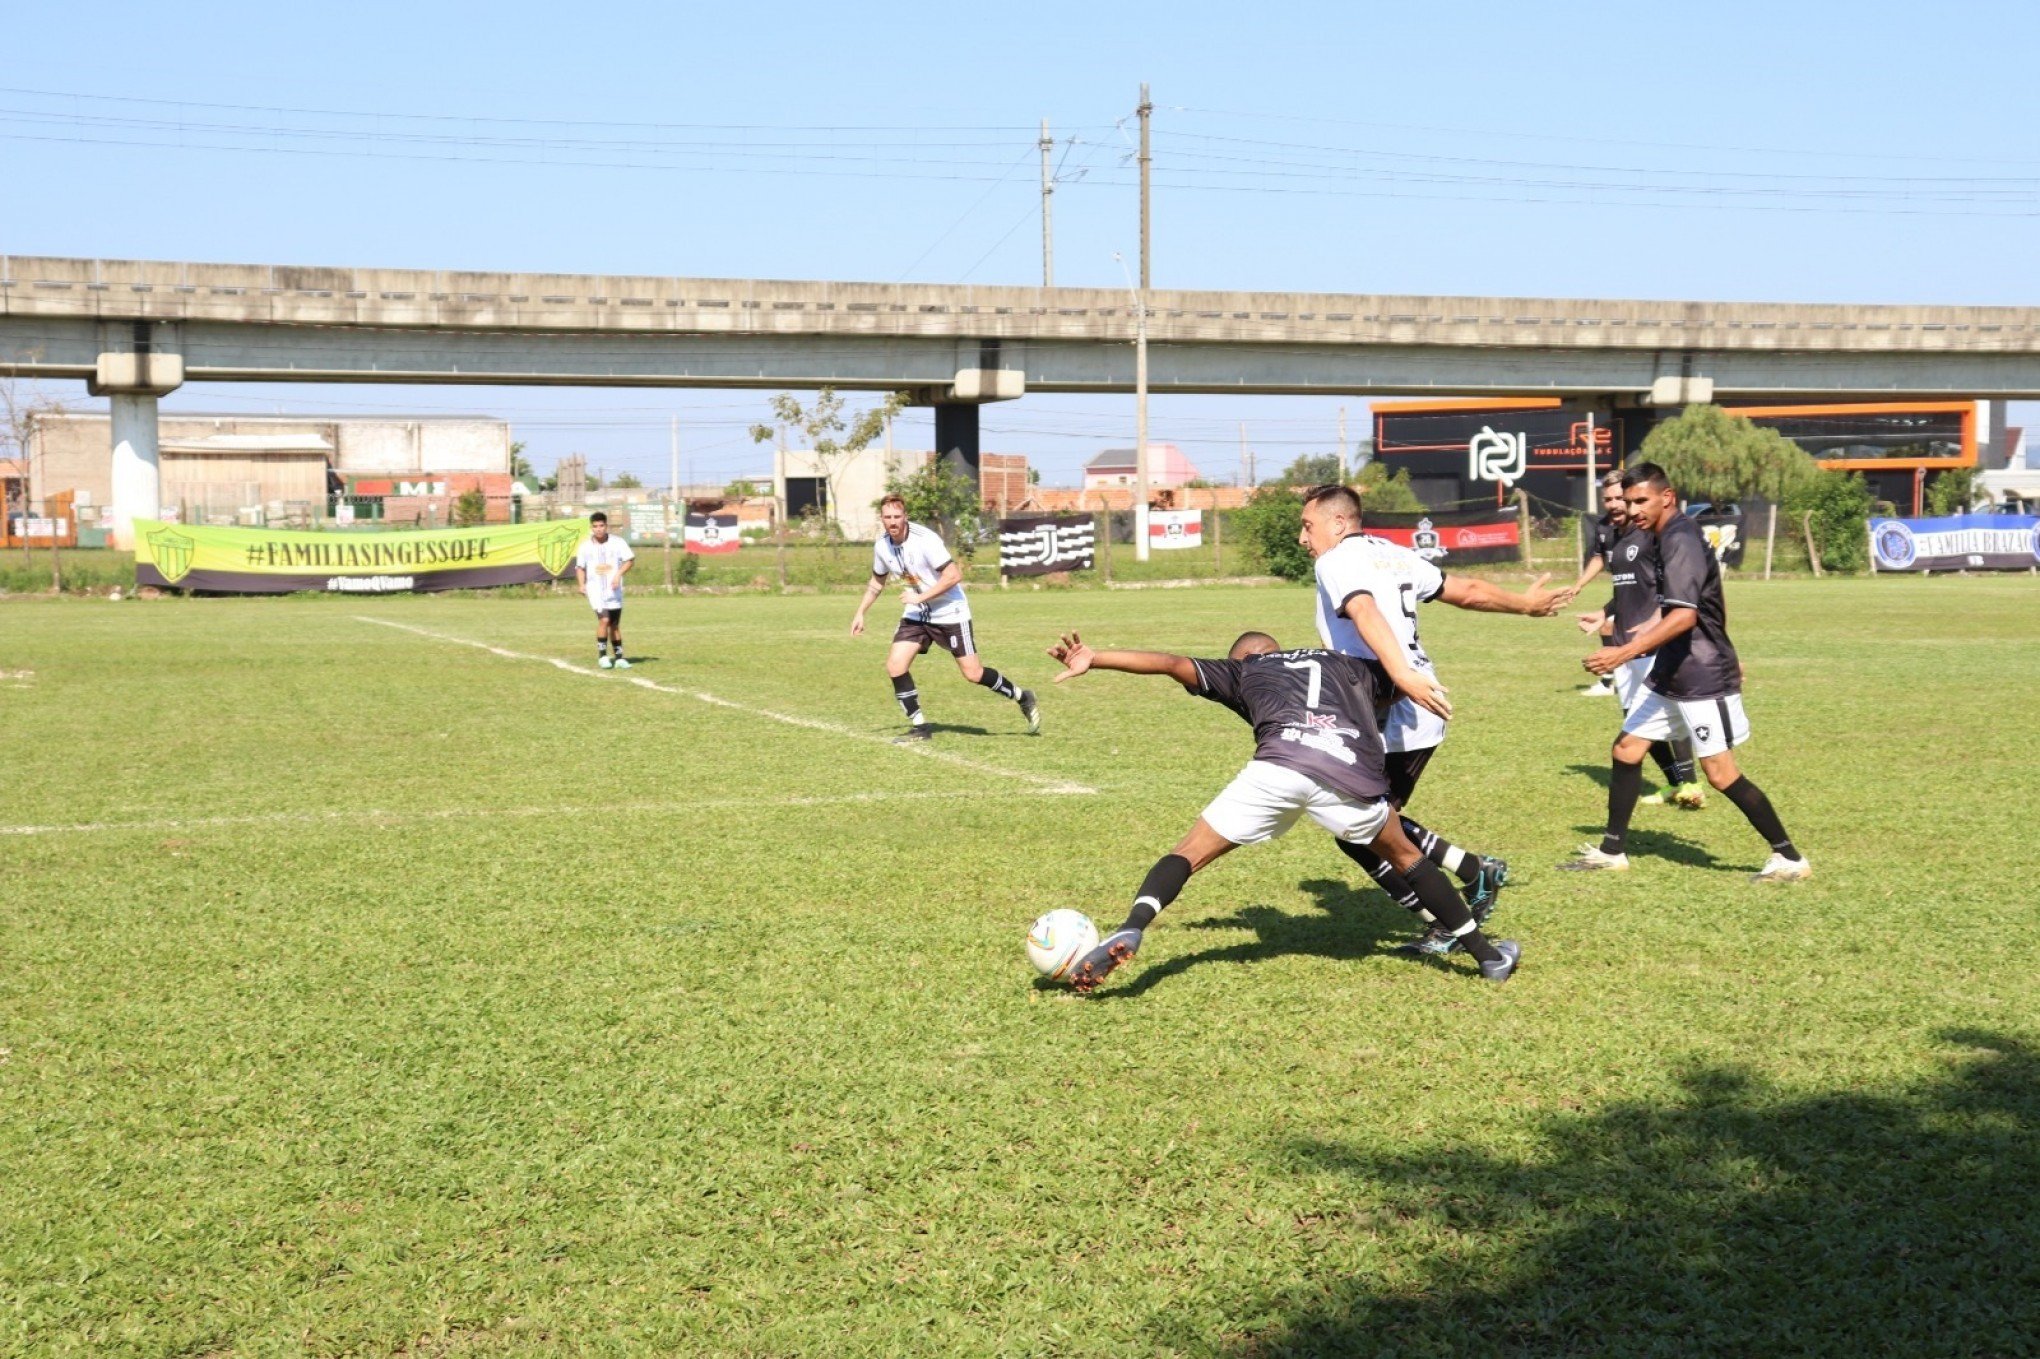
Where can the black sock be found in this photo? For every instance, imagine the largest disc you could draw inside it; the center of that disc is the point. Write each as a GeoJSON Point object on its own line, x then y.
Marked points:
{"type": "Point", "coordinates": [1668, 763]}
{"type": "Point", "coordinates": [1625, 781]}
{"type": "Point", "coordinates": [998, 684]}
{"type": "Point", "coordinates": [601, 646]}
{"type": "Point", "coordinates": [1442, 852]}
{"type": "Point", "coordinates": [910, 698]}
{"type": "Point", "coordinates": [1161, 886]}
{"type": "Point", "coordinates": [1383, 873]}
{"type": "Point", "coordinates": [1751, 802]}
{"type": "Point", "coordinates": [1448, 910]}
{"type": "Point", "coordinates": [1682, 760]}
{"type": "Point", "coordinates": [616, 645]}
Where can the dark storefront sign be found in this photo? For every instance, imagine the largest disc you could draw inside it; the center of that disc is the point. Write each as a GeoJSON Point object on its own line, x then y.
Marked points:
{"type": "Point", "coordinates": [1458, 537]}
{"type": "Point", "coordinates": [1462, 455]}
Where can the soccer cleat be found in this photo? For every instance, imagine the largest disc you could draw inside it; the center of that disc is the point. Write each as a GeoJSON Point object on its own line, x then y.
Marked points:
{"type": "Point", "coordinates": [622, 664]}
{"type": "Point", "coordinates": [1505, 967]}
{"type": "Point", "coordinates": [1030, 708]}
{"type": "Point", "coordinates": [604, 662]}
{"type": "Point", "coordinates": [1115, 948]}
{"type": "Point", "coordinates": [1590, 858]}
{"type": "Point", "coordinates": [1690, 796]}
{"type": "Point", "coordinates": [1778, 868]}
{"type": "Point", "coordinates": [1598, 689]}
{"type": "Point", "coordinates": [913, 734]}
{"type": "Point", "coordinates": [1434, 942]}
{"type": "Point", "coordinates": [1482, 893]}
{"type": "Point", "coordinates": [1661, 798]}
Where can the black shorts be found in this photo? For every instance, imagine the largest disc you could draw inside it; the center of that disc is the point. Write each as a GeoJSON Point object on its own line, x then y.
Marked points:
{"type": "Point", "coordinates": [1404, 768]}
{"type": "Point", "coordinates": [613, 617]}
{"type": "Point", "coordinates": [953, 638]}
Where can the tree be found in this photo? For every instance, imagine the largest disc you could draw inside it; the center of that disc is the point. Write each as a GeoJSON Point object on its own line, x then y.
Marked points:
{"type": "Point", "coordinates": [21, 405]}
{"type": "Point", "coordinates": [819, 426]}
{"type": "Point", "coordinates": [1723, 459]}
{"type": "Point", "coordinates": [1271, 521]}
{"type": "Point", "coordinates": [1840, 505]}
{"type": "Point", "coordinates": [1951, 492]}
{"type": "Point", "coordinates": [1385, 492]}
{"type": "Point", "coordinates": [520, 466]}
{"type": "Point", "coordinates": [740, 490]}
{"type": "Point", "coordinates": [626, 481]}
{"type": "Point", "coordinates": [938, 494]}
{"type": "Point", "coordinates": [1312, 469]}
{"type": "Point", "coordinates": [470, 507]}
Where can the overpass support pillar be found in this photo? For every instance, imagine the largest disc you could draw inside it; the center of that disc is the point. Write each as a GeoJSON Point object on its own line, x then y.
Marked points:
{"type": "Point", "coordinates": [134, 380]}
{"type": "Point", "coordinates": [956, 436]}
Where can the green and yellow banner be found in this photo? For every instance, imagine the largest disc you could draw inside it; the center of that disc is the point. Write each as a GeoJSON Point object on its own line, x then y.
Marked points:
{"type": "Point", "coordinates": [263, 561]}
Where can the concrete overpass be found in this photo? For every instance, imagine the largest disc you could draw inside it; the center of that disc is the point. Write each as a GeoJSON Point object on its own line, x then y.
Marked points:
{"type": "Point", "coordinates": [137, 329]}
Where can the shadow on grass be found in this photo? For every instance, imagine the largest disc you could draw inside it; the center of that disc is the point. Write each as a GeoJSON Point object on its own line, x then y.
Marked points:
{"type": "Point", "coordinates": [1350, 923]}
{"type": "Point", "coordinates": [1730, 1220]}
{"type": "Point", "coordinates": [1657, 844]}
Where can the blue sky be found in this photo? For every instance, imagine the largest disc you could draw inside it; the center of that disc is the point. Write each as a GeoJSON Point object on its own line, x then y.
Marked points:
{"type": "Point", "coordinates": [1784, 151]}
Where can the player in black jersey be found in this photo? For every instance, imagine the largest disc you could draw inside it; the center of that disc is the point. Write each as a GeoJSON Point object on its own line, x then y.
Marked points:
{"type": "Point", "coordinates": [1694, 686]}
{"type": "Point", "coordinates": [1633, 568]}
{"type": "Point", "coordinates": [1317, 750]}
{"type": "Point", "coordinates": [1600, 551]}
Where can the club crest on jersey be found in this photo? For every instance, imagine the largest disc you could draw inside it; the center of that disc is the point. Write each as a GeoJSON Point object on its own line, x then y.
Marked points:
{"type": "Point", "coordinates": [1629, 553]}
{"type": "Point", "coordinates": [1701, 733]}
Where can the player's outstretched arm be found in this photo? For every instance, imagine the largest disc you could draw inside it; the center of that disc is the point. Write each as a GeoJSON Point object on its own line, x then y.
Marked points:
{"type": "Point", "coordinates": [871, 592]}
{"type": "Point", "coordinates": [1672, 623]}
{"type": "Point", "coordinates": [1483, 597]}
{"type": "Point", "coordinates": [1078, 656]}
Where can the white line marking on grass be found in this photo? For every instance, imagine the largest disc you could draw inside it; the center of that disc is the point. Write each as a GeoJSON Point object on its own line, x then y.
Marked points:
{"type": "Point", "coordinates": [353, 814]}
{"type": "Point", "coordinates": [1044, 782]}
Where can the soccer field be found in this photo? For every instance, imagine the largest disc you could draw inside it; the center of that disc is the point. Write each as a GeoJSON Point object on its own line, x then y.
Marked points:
{"type": "Point", "coordinates": [376, 976]}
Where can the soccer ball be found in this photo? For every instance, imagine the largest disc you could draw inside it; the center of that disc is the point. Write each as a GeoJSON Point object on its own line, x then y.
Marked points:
{"type": "Point", "coordinates": [1057, 940]}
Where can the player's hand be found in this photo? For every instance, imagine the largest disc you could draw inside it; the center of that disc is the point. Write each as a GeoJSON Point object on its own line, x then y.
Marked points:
{"type": "Point", "coordinates": [857, 624]}
{"type": "Point", "coordinates": [1604, 661]}
{"type": "Point", "coordinates": [1075, 656]}
{"type": "Point", "coordinates": [1426, 693]}
{"type": "Point", "coordinates": [1590, 622]}
{"type": "Point", "coordinates": [1543, 603]}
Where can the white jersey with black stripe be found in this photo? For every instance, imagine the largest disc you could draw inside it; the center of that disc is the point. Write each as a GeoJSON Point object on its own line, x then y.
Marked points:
{"type": "Point", "coordinates": [921, 559]}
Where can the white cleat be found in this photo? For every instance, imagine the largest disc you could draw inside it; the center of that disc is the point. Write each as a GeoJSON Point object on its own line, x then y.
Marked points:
{"type": "Point", "coordinates": [604, 662]}
{"type": "Point", "coordinates": [1591, 858]}
{"type": "Point", "coordinates": [1598, 690]}
{"type": "Point", "coordinates": [622, 664]}
{"type": "Point", "coordinates": [1778, 868]}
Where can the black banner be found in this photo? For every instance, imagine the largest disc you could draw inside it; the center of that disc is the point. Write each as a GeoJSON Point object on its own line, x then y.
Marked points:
{"type": "Point", "coordinates": [1036, 544]}
{"type": "Point", "coordinates": [1724, 534]}
{"type": "Point", "coordinates": [1450, 537]}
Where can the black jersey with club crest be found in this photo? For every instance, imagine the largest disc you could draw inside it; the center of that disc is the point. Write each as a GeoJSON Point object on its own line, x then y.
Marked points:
{"type": "Point", "coordinates": [1311, 710]}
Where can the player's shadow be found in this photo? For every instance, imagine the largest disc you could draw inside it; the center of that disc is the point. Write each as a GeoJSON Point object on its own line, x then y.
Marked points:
{"type": "Point", "coordinates": [1350, 923]}
{"type": "Point", "coordinates": [1644, 843]}
{"type": "Point", "coordinates": [1729, 1216]}
{"type": "Point", "coordinates": [1599, 773]}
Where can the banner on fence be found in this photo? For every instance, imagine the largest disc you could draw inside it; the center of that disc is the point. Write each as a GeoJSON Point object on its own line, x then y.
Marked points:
{"type": "Point", "coordinates": [1962, 542]}
{"type": "Point", "coordinates": [711, 535]}
{"type": "Point", "coordinates": [647, 521]}
{"type": "Point", "coordinates": [1724, 533]}
{"type": "Point", "coordinates": [1171, 529]}
{"type": "Point", "coordinates": [1036, 544]}
{"type": "Point", "coordinates": [1453, 536]}
{"type": "Point", "coordinates": [264, 561]}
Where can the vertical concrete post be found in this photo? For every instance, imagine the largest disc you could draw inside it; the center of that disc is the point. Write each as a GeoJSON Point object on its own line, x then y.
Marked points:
{"type": "Point", "coordinates": [956, 436]}
{"type": "Point", "coordinates": [137, 466]}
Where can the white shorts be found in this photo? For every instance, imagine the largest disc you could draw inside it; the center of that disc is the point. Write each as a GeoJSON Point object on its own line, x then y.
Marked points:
{"type": "Point", "coordinates": [1629, 678]}
{"type": "Point", "coordinates": [1264, 800]}
{"type": "Point", "coordinates": [1713, 724]}
{"type": "Point", "coordinates": [1409, 727]}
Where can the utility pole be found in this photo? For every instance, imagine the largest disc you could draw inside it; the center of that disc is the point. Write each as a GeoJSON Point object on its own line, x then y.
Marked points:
{"type": "Point", "coordinates": [672, 494]}
{"type": "Point", "coordinates": [1342, 445]}
{"type": "Point", "coordinates": [1593, 489]}
{"type": "Point", "coordinates": [1147, 108]}
{"type": "Point", "coordinates": [1246, 478]}
{"type": "Point", "coordinates": [1047, 210]}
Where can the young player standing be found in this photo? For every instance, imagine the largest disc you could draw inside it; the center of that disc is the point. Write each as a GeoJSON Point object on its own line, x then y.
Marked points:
{"type": "Point", "coordinates": [1317, 750]}
{"type": "Point", "coordinates": [1600, 546]}
{"type": "Point", "coordinates": [1694, 688]}
{"type": "Point", "coordinates": [600, 566]}
{"type": "Point", "coordinates": [1633, 568]}
{"type": "Point", "coordinates": [936, 615]}
{"type": "Point", "coordinates": [1368, 590]}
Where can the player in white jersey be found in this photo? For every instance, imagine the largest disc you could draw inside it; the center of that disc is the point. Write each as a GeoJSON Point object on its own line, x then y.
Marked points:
{"type": "Point", "coordinates": [600, 565]}
{"type": "Point", "coordinates": [936, 614]}
{"type": "Point", "coordinates": [1368, 590]}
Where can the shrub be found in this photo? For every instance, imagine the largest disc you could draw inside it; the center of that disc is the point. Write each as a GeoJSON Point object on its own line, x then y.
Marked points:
{"type": "Point", "coordinates": [1840, 504]}
{"type": "Point", "coordinates": [1269, 524]}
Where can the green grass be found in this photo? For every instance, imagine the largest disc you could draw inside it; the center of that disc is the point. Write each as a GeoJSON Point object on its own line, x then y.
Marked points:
{"type": "Point", "coordinates": [364, 993]}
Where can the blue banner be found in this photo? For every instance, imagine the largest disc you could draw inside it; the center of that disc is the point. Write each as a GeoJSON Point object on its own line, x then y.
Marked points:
{"type": "Point", "coordinates": [1961, 542]}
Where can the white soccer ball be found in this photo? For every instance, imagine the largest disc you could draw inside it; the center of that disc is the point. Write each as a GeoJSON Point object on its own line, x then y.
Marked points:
{"type": "Point", "coordinates": [1057, 940]}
